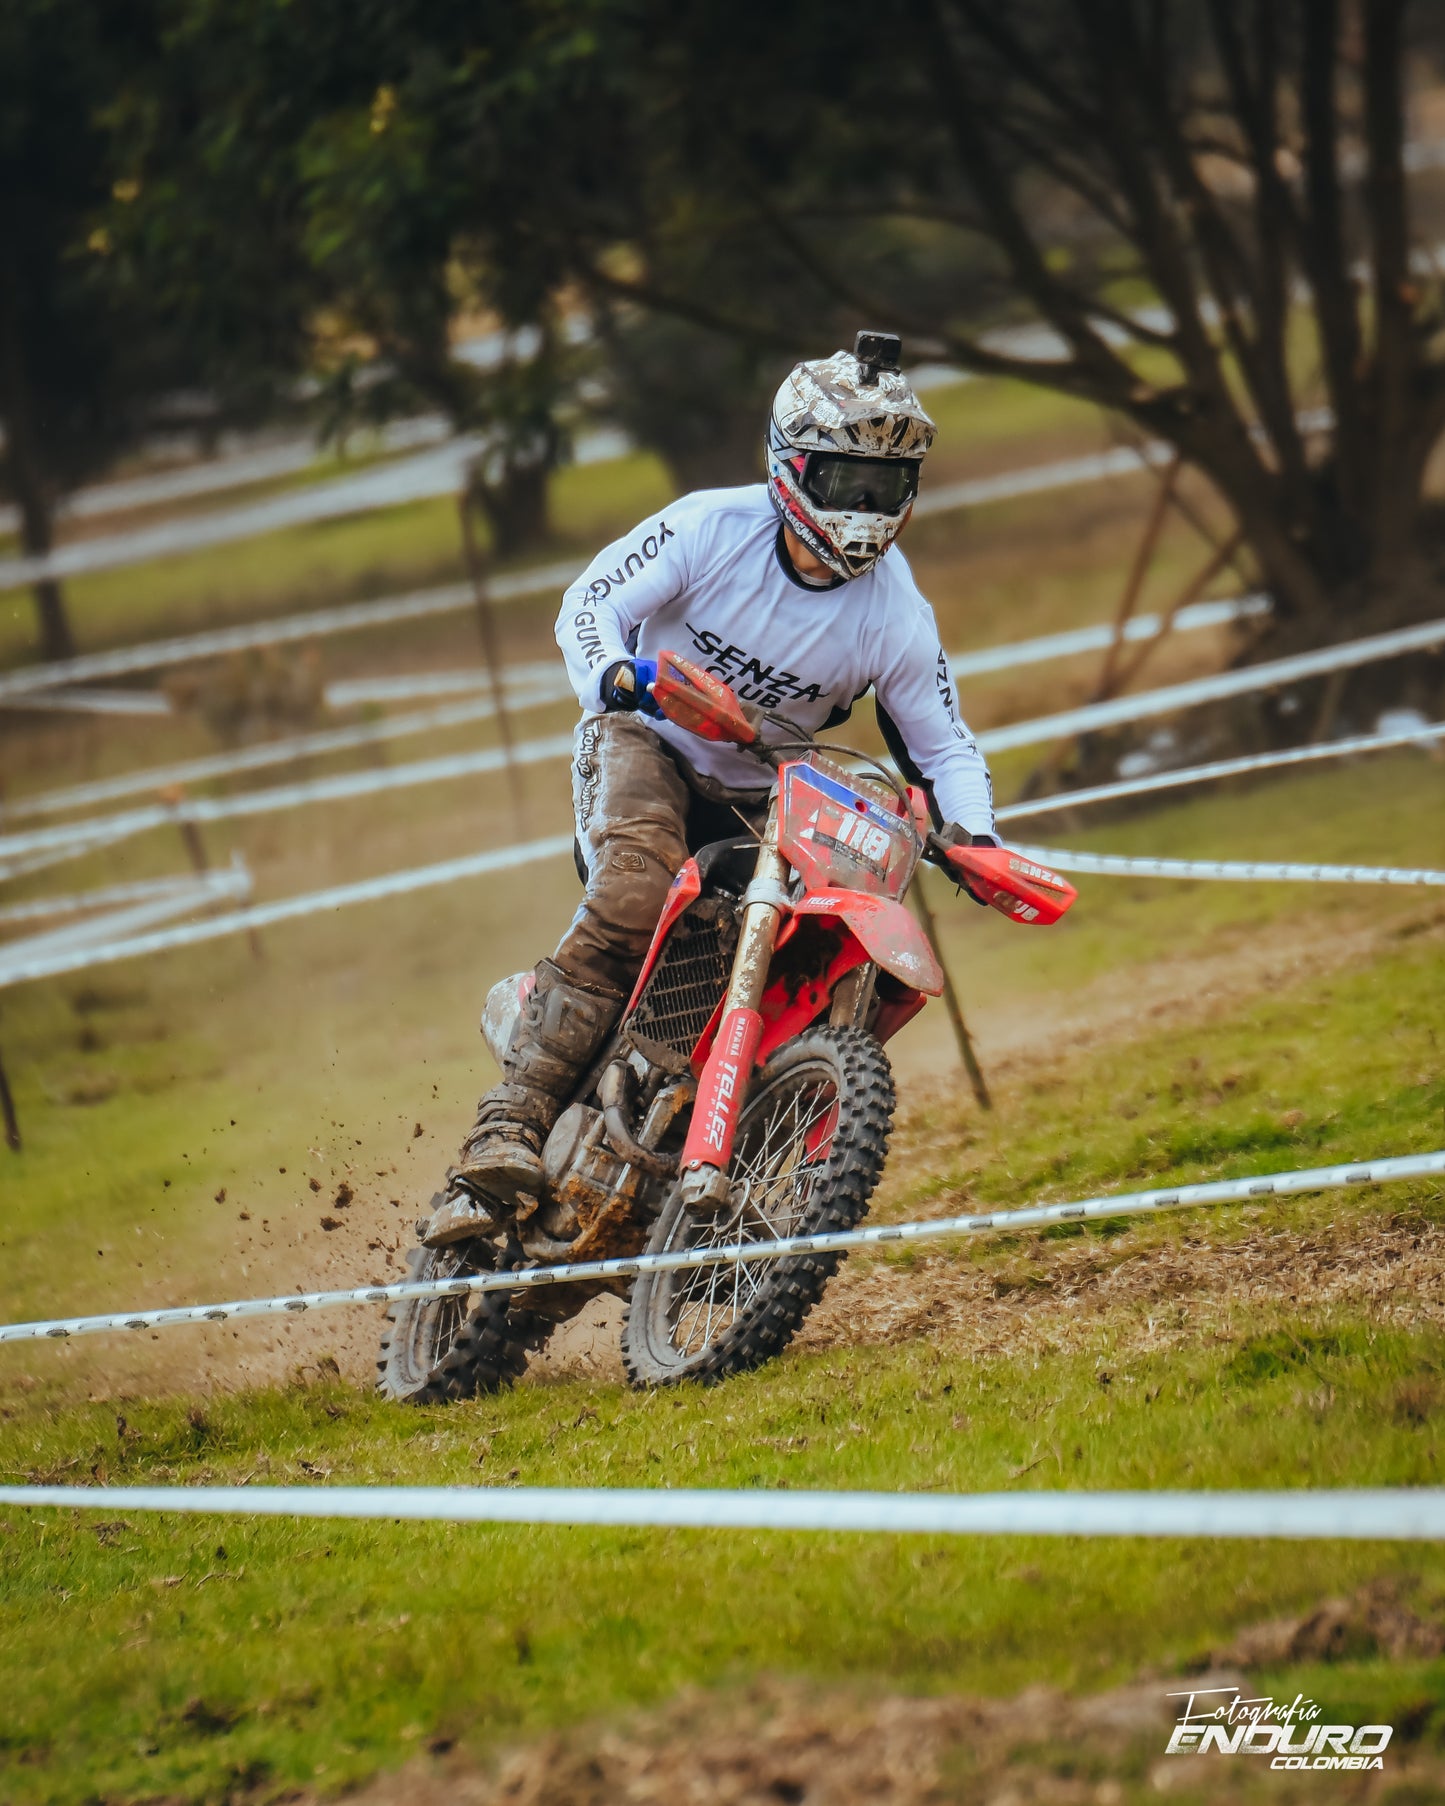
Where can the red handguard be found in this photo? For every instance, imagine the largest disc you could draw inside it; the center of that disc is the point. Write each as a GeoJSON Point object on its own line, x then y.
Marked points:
{"type": "Point", "coordinates": [700, 702]}
{"type": "Point", "coordinates": [1016, 887]}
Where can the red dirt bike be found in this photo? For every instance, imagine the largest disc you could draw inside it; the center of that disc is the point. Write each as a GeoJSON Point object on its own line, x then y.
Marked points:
{"type": "Point", "coordinates": [744, 1094]}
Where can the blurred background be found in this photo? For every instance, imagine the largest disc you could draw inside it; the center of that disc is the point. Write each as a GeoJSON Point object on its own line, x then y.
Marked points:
{"type": "Point", "coordinates": [334, 339]}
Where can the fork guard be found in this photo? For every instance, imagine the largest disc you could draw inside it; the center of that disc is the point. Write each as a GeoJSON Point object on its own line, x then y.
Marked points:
{"type": "Point", "coordinates": [864, 928]}
{"type": "Point", "coordinates": [887, 932]}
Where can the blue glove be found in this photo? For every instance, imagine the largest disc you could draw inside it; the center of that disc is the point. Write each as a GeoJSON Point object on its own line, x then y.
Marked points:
{"type": "Point", "coordinates": [625, 685]}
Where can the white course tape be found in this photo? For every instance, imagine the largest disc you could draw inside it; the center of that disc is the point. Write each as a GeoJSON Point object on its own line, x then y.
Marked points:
{"type": "Point", "coordinates": [341, 787]}
{"type": "Point", "coordinates": [107, 897]}
{"type": "Point", "coordinates": [1118, 865]}
{"type": "Point", "coordinates": [286, 909]}
{"type": "Point", "coordinates": [424, 476]}
{"type": "Point", "coordinates": [1065, 473]}
{"type": "Point", "coordinates": [232, 470]}
{"type": "Point", "coordinates": [219, 642]}
{"type": "Point", "coordinates": [80, 939]}
{"type": "Point", "coordinates": [437, 471]}
{"type": "Point", "coordinates": [1276, 673]}
{"type": "Point", "coordinates": [87, 837]}
{"type": "Point", "coordinates": [1225, 768]}
{"type": "Point", "coordinates": [1398, 1514]}
{"type": "Point", "coordinates": [526, 694]}
{"type": "Point", "coordinates": [1098, 638]}
{"type": "Point", "coordinates": [542, 680]}
{"type": "Point", "coordinates": [95, 702]}
{"type": "Point", "coordinates": [1025, 733]}
{"type": "Point", "coordinates": [999, 1222]}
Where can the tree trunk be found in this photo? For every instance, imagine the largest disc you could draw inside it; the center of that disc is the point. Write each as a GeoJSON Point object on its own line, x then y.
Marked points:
{"type": "Point", "coordinates": [516, 508]}
{"type": "Point", "coordinates": [56, 639]}
{"type": "Point", "coordinates": [23, 467]}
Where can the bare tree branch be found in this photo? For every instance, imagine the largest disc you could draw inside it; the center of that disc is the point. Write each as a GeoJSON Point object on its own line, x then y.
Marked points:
{"type": "Point", "coordinates": [1396, 358]}
{"type": "Point", "coordinates": [1109, 376]}
{"type": "Point", "coordinates": [1323, 243]}
{"type": "Point", "coordinates": [1231, 274]}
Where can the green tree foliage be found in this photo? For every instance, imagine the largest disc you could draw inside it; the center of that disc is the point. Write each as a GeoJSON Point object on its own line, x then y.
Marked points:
{"type": "Point", "coordinates": [126, 308]}
{"type": "Point", "coordinates": [71, 369]}
{"type": "Point", "coordinates": [1204, 202]}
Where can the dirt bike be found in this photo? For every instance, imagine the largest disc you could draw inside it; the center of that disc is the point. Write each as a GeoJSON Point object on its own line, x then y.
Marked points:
{"type": "Point", "coordinates": [744, 1094]}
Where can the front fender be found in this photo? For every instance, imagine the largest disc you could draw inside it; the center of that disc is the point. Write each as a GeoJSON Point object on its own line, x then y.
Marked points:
{"type": "Point", "coordinates": [888, 933]}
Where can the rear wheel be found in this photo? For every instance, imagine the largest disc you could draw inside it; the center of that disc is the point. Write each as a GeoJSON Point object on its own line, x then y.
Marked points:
{"type": "Point", "coordinates": [436, 1350]}
{"type": "Point", "coordinates": [811, 1142]}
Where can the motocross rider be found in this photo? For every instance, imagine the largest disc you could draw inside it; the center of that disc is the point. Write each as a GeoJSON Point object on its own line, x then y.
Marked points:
{"type": "Point", "coordinates": [794, 593]}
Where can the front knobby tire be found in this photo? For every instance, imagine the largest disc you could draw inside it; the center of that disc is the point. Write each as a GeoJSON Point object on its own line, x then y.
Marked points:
{"type": "Point", "coordinates": [438, 1350]}
{"type": "Point", "coordinates": [811, 1142]}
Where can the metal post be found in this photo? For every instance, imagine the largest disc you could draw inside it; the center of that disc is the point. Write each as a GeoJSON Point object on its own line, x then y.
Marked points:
{"type": "Point", "coordinates": [174, 795]}
{"type": "Point", "coordinates": [950, 999]}
{"type": "Point", "coordinates": [7, 1112]}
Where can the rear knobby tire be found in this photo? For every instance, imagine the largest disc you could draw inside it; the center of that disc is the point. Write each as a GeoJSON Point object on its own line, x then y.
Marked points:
{"type": "Point", "coordinates": [438, 1350]}
{"type": "Point", "coordinates": [831, 1088]}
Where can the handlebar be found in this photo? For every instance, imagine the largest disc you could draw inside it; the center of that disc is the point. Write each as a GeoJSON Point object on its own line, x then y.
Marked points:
{"type": "Point", "coordinates": [705, 705]}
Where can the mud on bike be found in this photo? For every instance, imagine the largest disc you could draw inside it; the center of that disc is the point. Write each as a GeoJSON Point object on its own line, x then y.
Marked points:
{"type": "Point", "coordinates": [744, 1095]}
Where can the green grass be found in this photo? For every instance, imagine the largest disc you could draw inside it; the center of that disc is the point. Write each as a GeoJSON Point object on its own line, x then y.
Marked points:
{"type": "Point", "coordinates": [183, 1658]}
{"type": "Point", "coordinates": [194, 1659]}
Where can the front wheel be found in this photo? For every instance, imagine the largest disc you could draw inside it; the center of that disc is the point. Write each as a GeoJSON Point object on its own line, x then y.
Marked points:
{"type": "Point", "coordinates": [810, 1147]}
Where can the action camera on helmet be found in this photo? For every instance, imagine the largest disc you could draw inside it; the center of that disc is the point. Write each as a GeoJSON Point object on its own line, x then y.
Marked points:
{"type": "Point", "coordinates": [877, 351]}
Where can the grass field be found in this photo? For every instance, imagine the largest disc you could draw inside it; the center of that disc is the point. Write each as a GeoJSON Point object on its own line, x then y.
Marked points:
{"type": "Point", "coordinates": [152, 1659]}
{"type": "Point", "coordinates": [194, 1660]}
{"type": "Point", "coordinates": [190, 1122]}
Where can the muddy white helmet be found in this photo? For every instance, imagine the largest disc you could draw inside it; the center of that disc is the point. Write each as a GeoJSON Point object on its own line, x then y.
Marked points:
{"type": "Point", "coordinates": [845, 442]}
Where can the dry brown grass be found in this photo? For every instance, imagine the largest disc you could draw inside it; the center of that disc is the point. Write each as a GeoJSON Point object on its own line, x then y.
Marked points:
{"type": "Point", "coordinates": [1062, 1297]}
{"type": "Point", "coordinates": [778, 1743]}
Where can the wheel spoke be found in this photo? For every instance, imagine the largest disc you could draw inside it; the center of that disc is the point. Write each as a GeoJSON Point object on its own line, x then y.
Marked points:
{"type": "Point", "coordinates": [773, 1161]}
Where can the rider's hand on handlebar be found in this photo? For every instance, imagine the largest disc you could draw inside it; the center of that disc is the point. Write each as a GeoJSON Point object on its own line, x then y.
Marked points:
{"type": "Point", "coordinates": [628, 685]}
{"type": "Point", "coordinates": [951, 835]}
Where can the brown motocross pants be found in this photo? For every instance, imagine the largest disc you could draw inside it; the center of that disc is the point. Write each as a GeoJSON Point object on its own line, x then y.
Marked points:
{"type": "Point", "coordinates": [639, 813]}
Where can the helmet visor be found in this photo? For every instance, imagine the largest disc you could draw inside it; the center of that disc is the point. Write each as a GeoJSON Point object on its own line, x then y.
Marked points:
{"type": "Point", "coordinates": [861, 485]}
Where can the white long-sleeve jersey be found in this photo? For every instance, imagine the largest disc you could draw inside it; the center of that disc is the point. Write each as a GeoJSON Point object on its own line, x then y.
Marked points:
{"type": "Point", "coordinates": [708, 579]}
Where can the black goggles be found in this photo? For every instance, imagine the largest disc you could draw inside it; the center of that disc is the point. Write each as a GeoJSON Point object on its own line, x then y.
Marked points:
{"type": "Point", "coordinates": [860, 485]}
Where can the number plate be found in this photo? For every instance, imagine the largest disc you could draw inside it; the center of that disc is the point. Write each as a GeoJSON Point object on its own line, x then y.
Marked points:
{"type": "Point", "coordinates": [837, 837]}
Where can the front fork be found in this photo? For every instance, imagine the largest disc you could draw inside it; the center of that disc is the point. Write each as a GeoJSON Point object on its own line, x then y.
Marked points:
{"type": "Point", "coordinates": [724, 1082]}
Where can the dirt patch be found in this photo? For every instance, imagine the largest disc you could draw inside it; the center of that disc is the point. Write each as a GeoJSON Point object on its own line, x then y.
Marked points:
{"type": "Point", "coordinates": [1056, 1297]}
{"type": "Point", "coordinates": [780, 1743]}
{"type": "Point", "coordinates": [1186, 987]}
{"type": "Point", "coordinates": [1378, 1620]}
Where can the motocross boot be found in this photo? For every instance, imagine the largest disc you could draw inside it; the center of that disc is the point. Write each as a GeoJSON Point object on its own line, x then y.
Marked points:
{"type": "Point", "coordinates": [561, 1027]}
